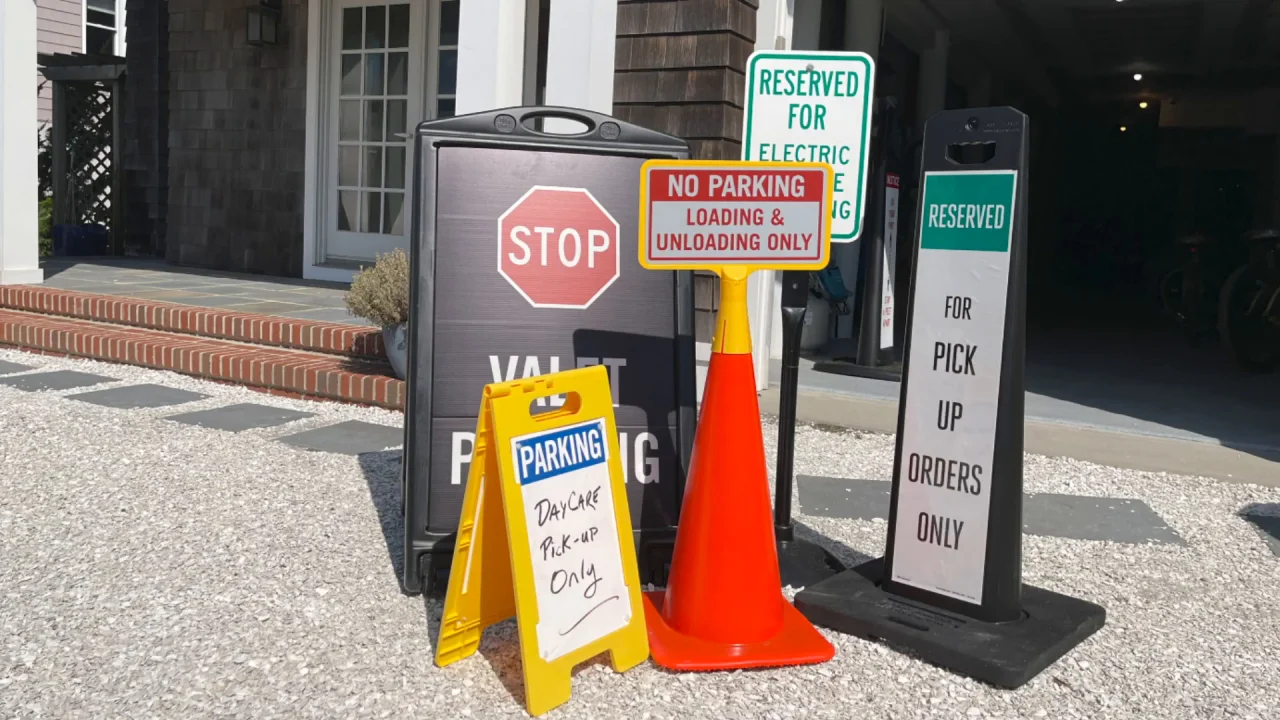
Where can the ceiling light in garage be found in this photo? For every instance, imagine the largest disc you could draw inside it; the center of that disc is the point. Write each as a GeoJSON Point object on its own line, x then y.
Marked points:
{"type": "Point", "coordinates": [1143, 104]}
{"type": "Point", "coordinates": [1137, 76]}
{"type": "Point", "coordinates": [1122, 128]}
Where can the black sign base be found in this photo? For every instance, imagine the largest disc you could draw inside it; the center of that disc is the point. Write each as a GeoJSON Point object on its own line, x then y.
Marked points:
{"type": "Point", "coordinates": [1002, 654]}
{"type": "Point", "coordinates": [434, 555]}
{"type": "Point", "coordinates": [803, 564]}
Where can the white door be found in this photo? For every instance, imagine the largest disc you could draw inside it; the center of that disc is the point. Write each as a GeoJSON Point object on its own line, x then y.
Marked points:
{"type": "Point", "coordinates": [377, 52]}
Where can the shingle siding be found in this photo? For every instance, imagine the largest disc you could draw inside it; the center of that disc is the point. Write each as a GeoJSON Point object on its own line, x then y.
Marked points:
{"type": "Point", "coordinates": [236, 139]}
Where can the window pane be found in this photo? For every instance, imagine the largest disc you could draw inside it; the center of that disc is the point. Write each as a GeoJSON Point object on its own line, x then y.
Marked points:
{"type": "Point", "coordinates": [374, 77]}
{"type": "Point", "coordinates": [349, 120]}
{"type": "Point", "coordinates": [395, 167]}
{"type": "Point", "coordinates": [393, 214]}
{"type": "Point", "coordinates": [448, 72]}
{"type": "Point", "coordinates": [375, 27]}
{"type": "Point", "coordinates": [351, 29]}
{"type": "Point", "coordinates": [351, 74]}
{"type": "Point", "coordinates": [349, 165]}
{"type": "Point", "coordinates": [108, 5]}
{"type": "Point", "coordinates": [398, 27]}
{"type": "Point", "coordinates": [444, 107]}
{"type": "Point", "coordinates": [398, 74]}
{"type": "Point", "coordinates": [372, 167]}
{"type": "Point", "coordinates": [348, 207]}
{"type": "Point", "coordinates": [373, 120]}
{"type": "Point", "coordinates": [449, 22]}
{"type": "Point", "coordinates": [397, 119]}
{"type": "Point", "coordinates": [98, 41]}
{"type": "Point", "coordinates": [373, 213]}
{"type": "Point", "coordinates": [98, 17]}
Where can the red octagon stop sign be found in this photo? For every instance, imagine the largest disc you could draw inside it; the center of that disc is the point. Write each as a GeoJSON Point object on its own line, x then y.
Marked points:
{"type": "Point", "coordinates": [558, 247]}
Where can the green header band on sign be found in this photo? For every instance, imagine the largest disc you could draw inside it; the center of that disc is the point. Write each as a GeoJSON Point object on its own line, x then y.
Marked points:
{"type": "Point", "coordinates": [968, 210]}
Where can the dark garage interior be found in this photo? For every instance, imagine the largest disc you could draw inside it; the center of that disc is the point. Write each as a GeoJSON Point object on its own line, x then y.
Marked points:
{"type": "Point", "coordinates": [1154, 151]}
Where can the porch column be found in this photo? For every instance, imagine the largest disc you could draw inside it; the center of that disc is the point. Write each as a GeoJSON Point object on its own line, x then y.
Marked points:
{"type": "Point", "coordinates": [775, 29]}
{"type": "Point", "coordinates": [581, 37]}
{"type": "Point", "coordinates": [933, 79]}
{"type": "Point", "coordinates": [491, 37]}
{"type": "Point", "coordinates": [863, 28]}
{"type": "Point", "coordinates": [19, 176]}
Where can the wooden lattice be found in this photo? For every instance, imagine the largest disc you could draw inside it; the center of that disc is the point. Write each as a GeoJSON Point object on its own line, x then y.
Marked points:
{"type": "Point", "coordinates": [87, 182]}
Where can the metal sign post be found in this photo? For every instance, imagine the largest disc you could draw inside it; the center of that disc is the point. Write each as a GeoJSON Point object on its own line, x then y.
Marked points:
{"type": "Point", "coordinates": [802, 563]}
{"type": "Point", "coordinates": [808, 107]}
{"type": "Point", "coordinates": [872, 356]}
{"type": "Point", "coordinates": [524, 262]}
{"type": "Point", "coordinates": [950, 584]}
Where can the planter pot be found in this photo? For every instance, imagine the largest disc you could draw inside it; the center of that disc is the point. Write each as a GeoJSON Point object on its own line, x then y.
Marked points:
{"type": "Point", "coordinates": [396, 339]}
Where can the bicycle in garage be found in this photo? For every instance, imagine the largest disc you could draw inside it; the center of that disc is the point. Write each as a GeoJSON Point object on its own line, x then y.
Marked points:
{"type": "Point", "coordinates": [1249, 305]}
{"type": "Point", "coordinates": [1189, 293]}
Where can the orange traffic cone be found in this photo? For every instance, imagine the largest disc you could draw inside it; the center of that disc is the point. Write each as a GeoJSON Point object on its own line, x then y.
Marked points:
{"type": "Point", "coordinates": [723, 607]}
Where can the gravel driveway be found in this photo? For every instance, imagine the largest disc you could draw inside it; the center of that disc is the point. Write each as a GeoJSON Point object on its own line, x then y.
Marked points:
{"type": "Point", "coordinates": [154, 569]}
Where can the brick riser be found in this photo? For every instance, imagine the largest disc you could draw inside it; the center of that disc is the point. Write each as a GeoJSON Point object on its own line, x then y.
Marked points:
{"type": "Point", "coordinates": [284, 371]}
{"type": "Point", "coordinates": [322, 337]}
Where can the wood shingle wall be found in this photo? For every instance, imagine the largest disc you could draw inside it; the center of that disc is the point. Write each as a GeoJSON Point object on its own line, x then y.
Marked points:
{"type": "Point", "coordinates": [679, 69]}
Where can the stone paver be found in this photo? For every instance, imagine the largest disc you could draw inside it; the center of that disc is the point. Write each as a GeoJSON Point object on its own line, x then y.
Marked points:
{"type": "Point", "coordinates": [9, 368]}
{"type": "Point", "coordinates": [138, 396]}
{"type": "Point", "coordinates": [1078, 517]}
{"type": "Point", "coordinates": [352, 437]}
{"type": "Point", "coordinates": [240, 417]}
{"type": "Point", "coordinates": [55, 380]}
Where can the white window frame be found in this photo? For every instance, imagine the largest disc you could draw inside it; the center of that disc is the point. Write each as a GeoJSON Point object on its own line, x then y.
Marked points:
{"type": "Point", "coordinates": [118, 44]}
{"type": "Point", "coordinates": [316, 207]}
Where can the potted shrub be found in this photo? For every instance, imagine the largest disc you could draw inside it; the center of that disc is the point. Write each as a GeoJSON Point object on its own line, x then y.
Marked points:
{"type": "Point", "coordinates": [380, 294]}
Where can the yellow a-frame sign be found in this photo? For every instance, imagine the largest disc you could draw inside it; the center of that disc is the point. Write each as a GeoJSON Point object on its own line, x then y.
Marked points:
{"type": "Point", "coordinates": [545, 535]}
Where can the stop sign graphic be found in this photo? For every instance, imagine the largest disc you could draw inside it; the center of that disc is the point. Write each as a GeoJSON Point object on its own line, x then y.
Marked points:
{"type": "Point", "coordinates": [558, 247]}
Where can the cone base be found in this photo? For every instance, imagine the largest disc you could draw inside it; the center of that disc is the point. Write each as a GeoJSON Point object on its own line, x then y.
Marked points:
{"type": "Point", "coordinates": [797, 643]}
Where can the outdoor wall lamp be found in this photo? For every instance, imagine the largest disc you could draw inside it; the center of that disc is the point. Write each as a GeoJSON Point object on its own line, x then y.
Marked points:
{"type": "Point", "coordinates": [262, 23]}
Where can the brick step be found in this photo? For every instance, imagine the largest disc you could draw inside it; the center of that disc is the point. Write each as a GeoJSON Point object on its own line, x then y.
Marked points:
{"type": "Point", "coordinates": [355, 341]}
{"type": "Point", "coordinates": [274, 369]}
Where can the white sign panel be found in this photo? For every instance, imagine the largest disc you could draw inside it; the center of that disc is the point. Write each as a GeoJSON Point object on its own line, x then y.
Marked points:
{"type": "Point", "coordinates": [573, 538]}
{"type": "Point", "coordinates": [716, 214]}
{"type": "Point", "coordinates": [892, 182]}
{"type": "Point", "coordinates": [814, 107]}
{"type": "Point", "coordinates": [953, 383]}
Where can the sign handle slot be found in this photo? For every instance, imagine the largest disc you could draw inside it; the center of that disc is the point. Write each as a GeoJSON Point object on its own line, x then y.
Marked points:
{"type": "Point", "coordinates": [972, 153]}
{"type": "Point", "coordinates": [572, 406]}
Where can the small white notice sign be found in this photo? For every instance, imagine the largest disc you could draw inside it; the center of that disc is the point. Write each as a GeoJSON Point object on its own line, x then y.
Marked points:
{"type": "Point", "coordinates": [952, 388]}
{"type": "Point", "coordinates": [889, 276]}
{"type": "Point", "coordinates": [573, 539]}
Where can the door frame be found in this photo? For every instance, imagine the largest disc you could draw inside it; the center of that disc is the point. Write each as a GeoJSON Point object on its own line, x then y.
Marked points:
{"type": "Point", "coordinates": [320, 83]}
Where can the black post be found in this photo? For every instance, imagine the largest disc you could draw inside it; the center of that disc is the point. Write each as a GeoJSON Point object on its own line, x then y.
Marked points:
{"type": "Point", "coordinates": [869, 359]}
{"type": "Point", "coordinates": [871, 262]}
{"type": "Point", "coordinates": [801, 563]}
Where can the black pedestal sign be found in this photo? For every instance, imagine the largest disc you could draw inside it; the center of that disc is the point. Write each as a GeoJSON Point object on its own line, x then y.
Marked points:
{"type": "Point", "coordinates": [950, 584]}
{"type": "Point", "coordinates": [524, 262]}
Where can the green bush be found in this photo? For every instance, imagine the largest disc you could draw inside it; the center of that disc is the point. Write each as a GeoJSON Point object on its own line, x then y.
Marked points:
{"type": "Point", "coordinates": [380, 294]}
{"type": "Point", "coordinates": [46, 227]}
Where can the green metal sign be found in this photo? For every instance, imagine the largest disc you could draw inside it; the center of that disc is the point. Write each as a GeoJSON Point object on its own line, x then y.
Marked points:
{"type": "Point", "coordinates": [815, 107]}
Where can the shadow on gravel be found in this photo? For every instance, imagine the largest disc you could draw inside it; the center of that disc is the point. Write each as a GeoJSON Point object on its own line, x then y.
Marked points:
{"type": "Point", "coordinates": [1266, 518]}
{"type": "Point", "coordinates": [382, 475]}
{"type": "Point", "coordinates": [845, 554]}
